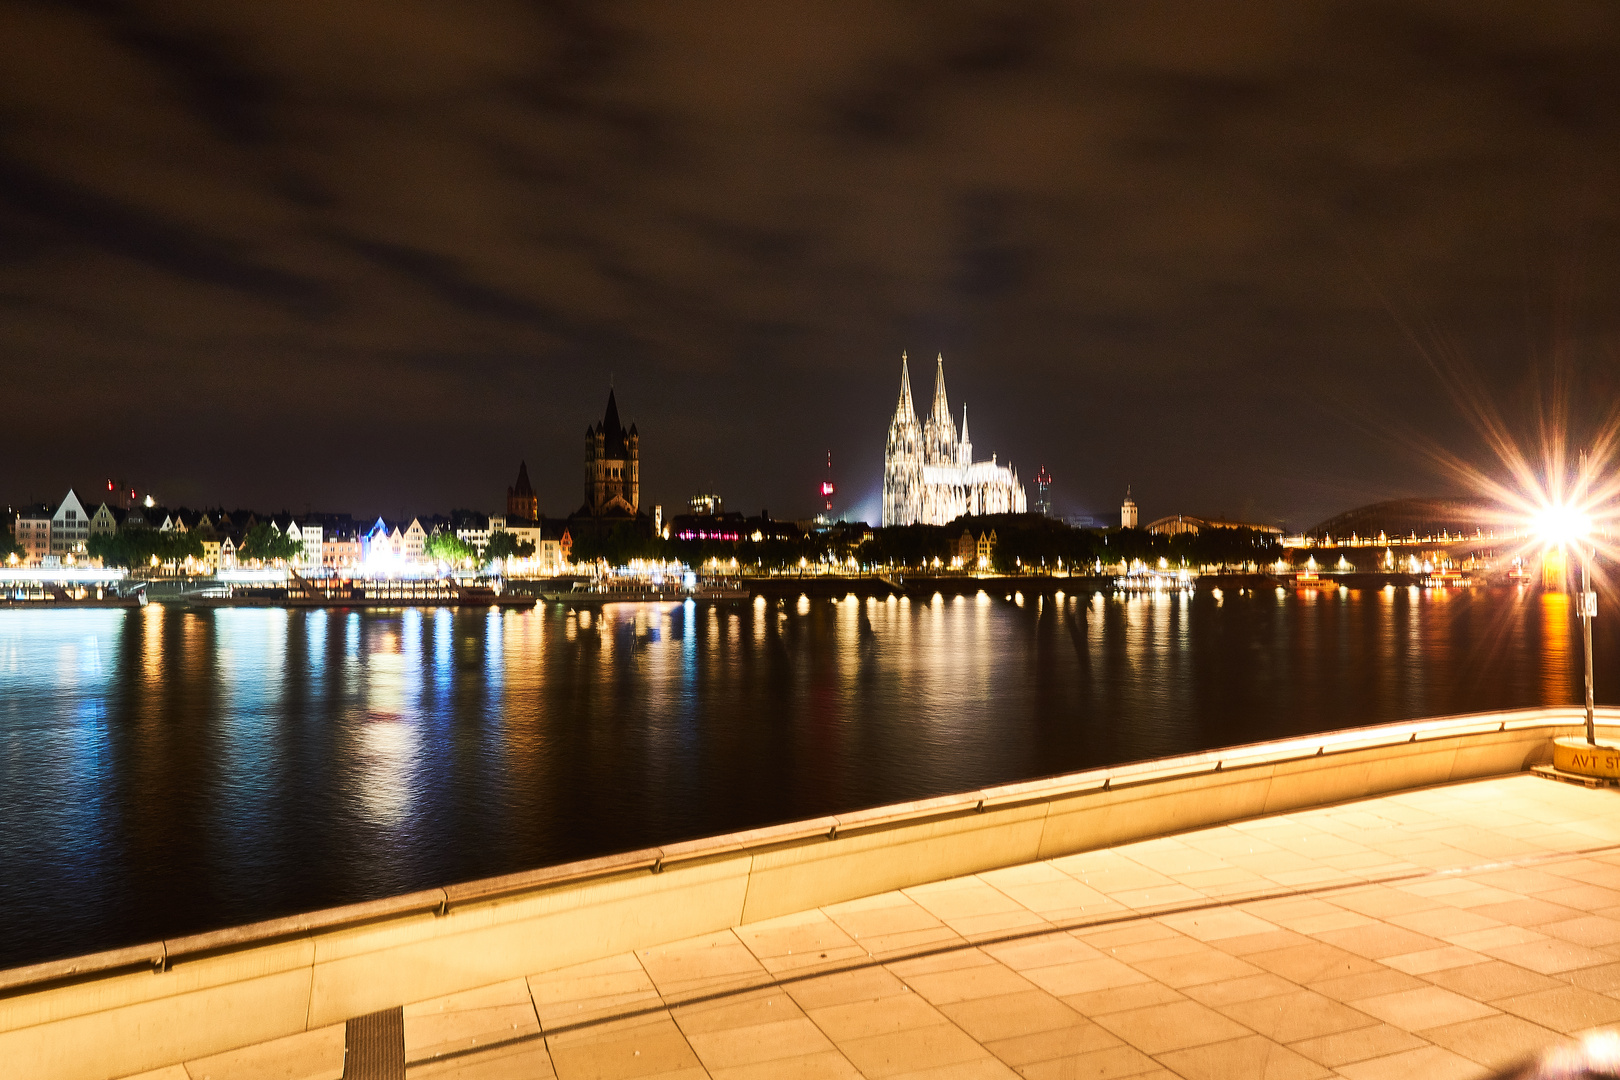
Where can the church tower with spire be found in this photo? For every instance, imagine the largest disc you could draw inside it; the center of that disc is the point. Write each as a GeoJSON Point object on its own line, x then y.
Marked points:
{"type": "Point", "coordinates": [929, 474]}
{"type": "Point", "coordinates": [612, 466]}
{"type": "Point", "coordinates": [903, 458]}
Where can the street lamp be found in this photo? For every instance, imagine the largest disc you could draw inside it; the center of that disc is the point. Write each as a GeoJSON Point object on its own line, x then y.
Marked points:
{"type": "Point", "coordinates": [1563, 526]}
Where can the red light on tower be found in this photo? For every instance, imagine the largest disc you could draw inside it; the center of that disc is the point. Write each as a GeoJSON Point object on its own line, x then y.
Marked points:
{"type": "Point", "coordinates": [828, 488]}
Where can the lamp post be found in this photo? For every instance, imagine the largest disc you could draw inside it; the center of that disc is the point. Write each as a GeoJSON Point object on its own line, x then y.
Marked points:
{"type": "Point", "coordinates": [1566, 525]}
{"type": "Point", "coordinates": [1587, 609]}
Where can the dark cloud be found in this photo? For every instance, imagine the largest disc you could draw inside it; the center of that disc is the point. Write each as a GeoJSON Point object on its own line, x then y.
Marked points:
{"type": "Point", "coordinates": [1174, 245]}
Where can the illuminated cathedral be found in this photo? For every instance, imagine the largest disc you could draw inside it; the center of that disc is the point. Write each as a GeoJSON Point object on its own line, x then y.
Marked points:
{"type": "Point", "coordinates": [929, 475]}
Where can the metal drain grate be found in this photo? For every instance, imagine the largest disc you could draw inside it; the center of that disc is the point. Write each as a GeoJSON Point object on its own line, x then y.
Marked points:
{"type": "Point", "coordinates": [374, 1046]}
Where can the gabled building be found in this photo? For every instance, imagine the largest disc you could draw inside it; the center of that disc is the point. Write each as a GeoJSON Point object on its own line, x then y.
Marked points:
{"type": "Point", "coordinates": [413, 541]}
{"type": "Point", "coordinates": [70, 527]}
{"type": "Point", "coordinates": [106, 520]}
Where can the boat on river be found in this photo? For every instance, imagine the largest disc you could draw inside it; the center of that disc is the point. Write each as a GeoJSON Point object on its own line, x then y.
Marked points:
{"type": "Point", "coordinates": [608, 590]}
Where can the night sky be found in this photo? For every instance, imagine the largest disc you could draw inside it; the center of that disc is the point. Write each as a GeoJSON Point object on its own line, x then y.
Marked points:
{"type": "Point", "coordinates": [366, 256]}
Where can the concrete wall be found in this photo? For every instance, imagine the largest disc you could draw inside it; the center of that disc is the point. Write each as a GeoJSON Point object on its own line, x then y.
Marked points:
{"type": "Point", "coordinates": [116, 1013]}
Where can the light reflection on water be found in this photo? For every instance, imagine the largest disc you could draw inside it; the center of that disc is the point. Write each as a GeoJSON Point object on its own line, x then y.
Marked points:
{"type": "Point", "coordinates": [166, 770]}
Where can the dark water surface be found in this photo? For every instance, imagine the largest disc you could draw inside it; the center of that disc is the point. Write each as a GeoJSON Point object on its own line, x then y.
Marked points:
{"type": "Point", "coordinates": [169, 770]}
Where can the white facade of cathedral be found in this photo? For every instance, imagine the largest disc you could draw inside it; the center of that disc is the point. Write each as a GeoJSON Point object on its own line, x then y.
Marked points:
{"type": "Point", "coordinates": [929, 475]}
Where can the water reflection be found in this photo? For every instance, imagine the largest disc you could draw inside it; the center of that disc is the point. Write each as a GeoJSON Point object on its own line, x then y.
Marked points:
{"type": "Point", "coordinates": [170, 770]}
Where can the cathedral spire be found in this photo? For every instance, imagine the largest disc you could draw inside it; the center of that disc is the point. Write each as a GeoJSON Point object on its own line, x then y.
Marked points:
{"type": "Point", "coordinates": [905, 405]}
{"type": "Point", "coordinates": [942, 407]}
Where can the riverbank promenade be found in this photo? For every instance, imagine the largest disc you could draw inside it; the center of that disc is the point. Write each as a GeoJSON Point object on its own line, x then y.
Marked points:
{"type": "Point", "coordinates": [1436, 933]}
{"type": "Point", "coordinates": [1465, 917]}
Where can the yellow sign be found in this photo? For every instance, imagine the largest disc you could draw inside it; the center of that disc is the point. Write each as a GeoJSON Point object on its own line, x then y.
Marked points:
{"type": "Point", "coordinates": [1576, 755]}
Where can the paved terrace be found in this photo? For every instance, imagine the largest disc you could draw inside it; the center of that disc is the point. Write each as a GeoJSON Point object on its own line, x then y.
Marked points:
{"type": "Point", "coordinates": [1436, 933]}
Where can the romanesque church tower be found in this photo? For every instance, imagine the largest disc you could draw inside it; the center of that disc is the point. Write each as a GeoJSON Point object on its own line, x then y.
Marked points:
{"type": "Point", "coordinates": [612, 467]}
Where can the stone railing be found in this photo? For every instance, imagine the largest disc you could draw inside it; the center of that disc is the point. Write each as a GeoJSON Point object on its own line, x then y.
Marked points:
{"type": "Point", "coordinates": [115, 1013]}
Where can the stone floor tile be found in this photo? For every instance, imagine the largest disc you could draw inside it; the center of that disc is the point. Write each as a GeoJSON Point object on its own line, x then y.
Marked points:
{"type": "Point", "coordinates": [857, 985]}
{"type": "Point", "coordinates": [961, 897]}
{"type": "Point", "coordinates": [977, 1069]}
{"type": "Point", "coordinates": [1443, 922]}
{"type": "Point", "coordinates": [614, 1052]}
{"type": "Point", "coordinates": [1267, 942]}
{"type": "Point", "coordinates": [702, 965]}
{"type": "Point", "coordinates": [1156, 948]}
{"type": "Point", "coordinates": [1011, 1016]}
{"type": "Point", "coordinates": [1192, 969]}
{"type": "Point", "coordinates": [1357, 1044]}
{"type": "Point", "coordinates": [1427, 1063]}
{"type": "Point", "coordinates": [1429, 1007]}
{"type": "Point", "coordinates": [751, 1008]}
{"type": "Point", "coordinates": [1107, 873]}
{"type": "Point", "coordinates": [885, 1016]}
{"type": "Point", "coordinates": [827, 1065]}
{"type": "Point", "coordinates": [1527, 913]}
{"type": "Point", "coordinates": [1082, 1037]}
{"type": "Point", "coordinates": [1567, 1009]}
{"type": "Point", "coordinates": [911, 1049]}
{"type": "Point", "coordinates": [1252, 1056]}
{"type": "Point", "coordinates": [1120, 998]}
{"type": "Point", "coordinates": [1248, 988]}
{"type": "Point", "coordinates": [1550, 956]}
{"type": "Point", "coordinates": [1312, 963]}
{"type": "Point", "coordinates": [1476, 896]}
{"type": "Point", "coordinates": [1044, 950]}
{"type": "Point", "coordinates": [1175, 1026]}
{"type": "Point", "coordinates": [1367, 984]}
{"type": "Point", "coordinates": [732, 1047]}
{"type": "Point", "coordinates": [1156, 897]}
{"type": "Point", "coordinates": [1381, 902]}
{"type": "Point", "coordinates": [1491, 980]}
{"type": "Point", "coordinates": [1297, 1015]}
{"type": "Point", "coordinates": [964, 984]}
{"type": "Point", "coordinates": [1525, 880]}
{"type": "Point", "coordinates": [1214, 924]}
{"type": "Point", "coordinates": [1605, 979]}
{"type": "Point", "coordinates": [887, 923]}
{"type": "Point", "coordinates": [1447, 956]}
{"type": "Point", "coordinates": [1496, 1041]}
{"type": "Point", "coordinates": [461, 1021]}
{"type": "Point", "coordinates": [1378, 940]}
{"type": "Point", "coordinates": [1113, 1063]}
{"type": "Point", "coordinates": [997, 926]}
{"type": "Point", "coordinates": [1061, 980]}
{"type": "Point", "coordinates": [586, 991]}
{"type": "Point", "coordinates": [1052, 894]}
{"type": "Point", "coordinates": [1334, 919]}
{"type": "Point", "coordinates": [1590, 930]}
{"type": "Point", "coordinates": [309, 1055]}
{"type": "Point", "coordinates": [793, 943]}
{"type": "Point", "coordinates": [528, 1060]}
{"type": "Point", "coordinates": [1495, 938]}
{"type": "Point", "coordinates": [1585, 897]}
{"type": "Point", "coordinates": [1111, 937]}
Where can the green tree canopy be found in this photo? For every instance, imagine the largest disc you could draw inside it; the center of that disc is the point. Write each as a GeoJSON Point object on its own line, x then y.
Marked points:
{"type": "Point", "coordinates": [135, 548]}
{"type": "Point", "coordinates": [505, 545]}
{"type": "Point", "coordinates": [267, 543]}
{"type": "Point", "coordinates": [450, 548]}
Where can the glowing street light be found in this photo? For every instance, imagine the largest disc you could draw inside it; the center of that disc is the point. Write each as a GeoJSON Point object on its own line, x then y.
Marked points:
{"type": "Point", "coordinates": [1560, 526]}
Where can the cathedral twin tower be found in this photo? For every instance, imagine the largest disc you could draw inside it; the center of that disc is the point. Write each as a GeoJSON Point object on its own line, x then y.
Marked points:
{"type": "Point", "coordinates": [929, 475]}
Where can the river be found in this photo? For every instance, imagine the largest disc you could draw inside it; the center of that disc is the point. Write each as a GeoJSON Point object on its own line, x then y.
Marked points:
{"type": "Point", "coordinates": [168, 770]}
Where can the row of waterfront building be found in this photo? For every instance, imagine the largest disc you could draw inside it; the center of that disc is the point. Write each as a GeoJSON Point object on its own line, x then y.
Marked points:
{"type": "Point", "coordinates": [66, 534]}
